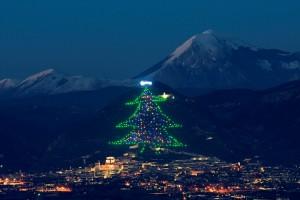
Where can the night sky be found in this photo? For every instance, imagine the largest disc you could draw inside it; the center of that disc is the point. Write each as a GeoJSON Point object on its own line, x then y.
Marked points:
{"type": "Point", "coordinates": [120, 38]}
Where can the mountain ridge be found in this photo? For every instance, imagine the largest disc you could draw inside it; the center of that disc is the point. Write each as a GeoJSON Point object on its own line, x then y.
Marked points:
{"type": "Point", "coordinates": [208, 61]}
{"type": "Point", "coordinates": [203, 63]}
{"type": "Point", "coordinates": [50, 82]}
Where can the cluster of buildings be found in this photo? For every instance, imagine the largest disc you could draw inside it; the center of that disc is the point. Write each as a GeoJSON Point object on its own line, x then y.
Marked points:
{"type": "Point", "coordinates": [186, 178]}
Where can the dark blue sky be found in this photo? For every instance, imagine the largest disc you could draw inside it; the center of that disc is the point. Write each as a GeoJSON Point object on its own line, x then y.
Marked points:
{"type": "Point", "coordinates": [119, 38]}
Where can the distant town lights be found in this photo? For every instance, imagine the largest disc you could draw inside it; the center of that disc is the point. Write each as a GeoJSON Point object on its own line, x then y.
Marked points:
{"type": "Point", "coordinates": [145, 83]}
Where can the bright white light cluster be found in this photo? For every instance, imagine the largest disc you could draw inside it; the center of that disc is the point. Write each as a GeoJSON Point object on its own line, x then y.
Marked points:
{"type": "Point", "coordinates": [145, 83]}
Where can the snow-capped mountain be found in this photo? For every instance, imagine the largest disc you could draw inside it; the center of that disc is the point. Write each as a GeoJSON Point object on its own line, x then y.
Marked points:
{"type": "Point", "coordinates": [51, 82]}
{"type": "Point", "coordinates": [204, 62]}
{"type": "Point", "coordinates": [207, 61]}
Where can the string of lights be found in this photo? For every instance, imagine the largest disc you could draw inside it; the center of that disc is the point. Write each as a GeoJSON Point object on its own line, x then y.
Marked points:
{"type": "Point", "coordinates": [148, 123]}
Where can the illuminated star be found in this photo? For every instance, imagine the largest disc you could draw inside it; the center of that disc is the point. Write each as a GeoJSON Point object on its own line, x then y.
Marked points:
{"type": "Point", "coordinates": [165, 95]}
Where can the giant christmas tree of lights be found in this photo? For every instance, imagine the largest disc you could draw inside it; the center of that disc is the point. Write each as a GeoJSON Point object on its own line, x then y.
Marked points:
{"type": "Point", "coordinates": [148, 123]}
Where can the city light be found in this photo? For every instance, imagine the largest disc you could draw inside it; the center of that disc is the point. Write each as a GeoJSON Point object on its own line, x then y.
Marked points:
{"type": "Point", "coordinates": [208, 177]}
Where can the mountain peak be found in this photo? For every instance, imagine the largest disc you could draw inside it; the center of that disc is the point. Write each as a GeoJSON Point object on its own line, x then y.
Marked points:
{"type": "Point", "coordinates": [208, 61]}
{"type": "Point", "coordinates": [207, 43]}
{"type": "Point", "coordinates": [209, 31]}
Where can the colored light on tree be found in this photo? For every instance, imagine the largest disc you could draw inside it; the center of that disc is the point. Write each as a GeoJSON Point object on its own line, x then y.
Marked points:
{"type": "Point", "coordinates": [149, 125]}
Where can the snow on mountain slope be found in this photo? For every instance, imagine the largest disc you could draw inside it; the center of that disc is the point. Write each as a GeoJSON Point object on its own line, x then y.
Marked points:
{"type": "Point", "coordinates": [51, 82]}
{"type": "Point", "coordinates": [6, 84]}
{"type": "Point", "coordinates": [207, 61]}
{"type": "Point", "coordinates": [35, 77]}
{"type": "Point", "coordinates": [207, 43]}
{"type": "Point", "coordinates": [204, 62]}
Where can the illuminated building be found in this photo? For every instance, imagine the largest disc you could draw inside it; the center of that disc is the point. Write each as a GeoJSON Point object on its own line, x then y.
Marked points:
{"type": "Point", "coordinates": [11, 181]}
{"type": "Point", "coordinates": [196, 172]}
{"type": "Point", "coordinates": [218, 189]}
{"type": "Point", "coordinates": [51, 188]}
{"type": "Point", "coordinates": [110, 167]}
